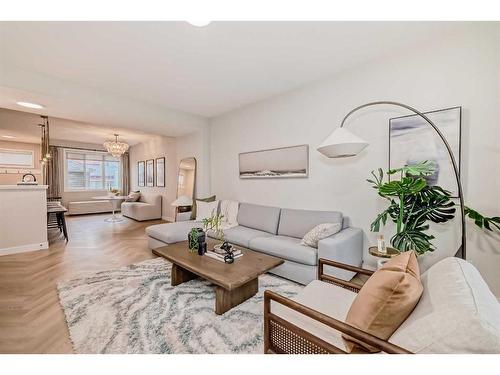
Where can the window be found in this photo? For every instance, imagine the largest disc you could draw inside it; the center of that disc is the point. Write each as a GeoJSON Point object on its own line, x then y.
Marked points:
{"type": "Point", "coordinates": [91, 170]}
{"type": "Point", "coordinates": [16, 158]}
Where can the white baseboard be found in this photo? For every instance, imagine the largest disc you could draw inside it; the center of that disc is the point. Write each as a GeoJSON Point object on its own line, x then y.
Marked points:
{"type": "Point", "coordinates": [24, 248]}
{"type": "Point", "coordinates": [171, 219]}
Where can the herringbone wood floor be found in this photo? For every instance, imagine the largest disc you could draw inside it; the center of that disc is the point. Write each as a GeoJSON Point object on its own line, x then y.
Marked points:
{"type": "Point", "coordinates": [31, 319]}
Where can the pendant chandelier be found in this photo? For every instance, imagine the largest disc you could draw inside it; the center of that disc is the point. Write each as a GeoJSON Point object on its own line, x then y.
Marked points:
{"type": "Point", "coordinates": [116, 148]}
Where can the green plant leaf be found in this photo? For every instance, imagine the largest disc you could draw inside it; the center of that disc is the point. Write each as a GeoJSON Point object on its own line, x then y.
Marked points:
{"type": "Point", "coordinates": [424, 168]}
{"type": "Point", "coordinates": [483, 221]}
{"type": "Point", "coordinates": [413, 240]}
{"type": "Point", "coordinates": [405, 186]}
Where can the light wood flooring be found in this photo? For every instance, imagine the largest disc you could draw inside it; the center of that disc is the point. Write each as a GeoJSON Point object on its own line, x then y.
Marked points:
{"type": "Point", "coordinates": [31, 318]}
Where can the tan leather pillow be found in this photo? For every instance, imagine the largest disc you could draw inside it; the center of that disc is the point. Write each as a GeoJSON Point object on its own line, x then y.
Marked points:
{"type": "Point", "coordinates": [385, 300]}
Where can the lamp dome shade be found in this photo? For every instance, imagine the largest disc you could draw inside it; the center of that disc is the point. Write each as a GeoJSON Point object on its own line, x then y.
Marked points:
{"type": "Point", "coordinates": [342, 143]}
{"type": "Point", "coordinates": [183, 200]}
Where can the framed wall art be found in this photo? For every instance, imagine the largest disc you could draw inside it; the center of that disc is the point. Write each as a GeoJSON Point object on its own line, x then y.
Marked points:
{"type": "Point", "coordinates": [160, 172]}
{"type": "Point", "coordinates": [284, 162]}
{"type": "Point", "coordinates": [150, 173]}
{"type": "Point", "coordinates": [140, 173]}
{"type": "Point", "coordinates": [412, 140]}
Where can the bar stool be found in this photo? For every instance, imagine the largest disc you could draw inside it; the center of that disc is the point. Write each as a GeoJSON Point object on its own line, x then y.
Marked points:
{"type": "Point", "coordinates": [55, 216]}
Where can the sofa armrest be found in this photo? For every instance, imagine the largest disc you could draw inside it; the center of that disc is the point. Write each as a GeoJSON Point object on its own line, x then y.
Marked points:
{"type": "Point", "coordinates": [345, 247]}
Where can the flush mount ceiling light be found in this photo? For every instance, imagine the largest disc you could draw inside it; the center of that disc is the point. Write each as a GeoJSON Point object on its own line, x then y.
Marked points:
{"type": "Point", "coordinates": [199, 23]}
{"type": "Point", "coordinates": [116, 148]}
{"type": "Point", "coordinates": [30, 105]}
{"type": "Point", "coordinates": [8, 136]}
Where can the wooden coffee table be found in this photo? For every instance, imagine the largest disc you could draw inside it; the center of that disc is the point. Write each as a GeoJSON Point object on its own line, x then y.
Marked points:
{"type": "Point", "coordinates": [235, 283]}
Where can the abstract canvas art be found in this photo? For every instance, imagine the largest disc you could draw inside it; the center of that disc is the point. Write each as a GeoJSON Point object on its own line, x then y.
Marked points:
{"type": "Point", "coordinates": [140, 173]}
{"type": "Point", "coordinates": [150, 173]}
{"type": "Point", "coordinates": [412, 140]}
{"type": "Point", "coordinates": [160, 172]}
{"type": "Point", "coordinates": [285, 162]}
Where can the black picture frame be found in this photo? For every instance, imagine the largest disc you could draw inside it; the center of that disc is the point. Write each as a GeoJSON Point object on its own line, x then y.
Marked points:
{"type": "Point", "coordinates": [453, 143]}
{"type": "Point", "coordinates": [150, 175]}
{"type": "Point", "coordinates": [160, 172]}
{"type": "Point", "coordinates": [141, 173]}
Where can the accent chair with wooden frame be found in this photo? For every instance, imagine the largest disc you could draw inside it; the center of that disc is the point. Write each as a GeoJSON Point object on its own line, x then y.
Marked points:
{"type": "Point", "coordinates": [281, 336]}
{"type": "Point", "coordinates": [457, 313]}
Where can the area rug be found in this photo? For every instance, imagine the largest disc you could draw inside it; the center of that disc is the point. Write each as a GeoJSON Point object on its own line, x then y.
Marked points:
{"type": "Point", "coordinates": [134, 309]}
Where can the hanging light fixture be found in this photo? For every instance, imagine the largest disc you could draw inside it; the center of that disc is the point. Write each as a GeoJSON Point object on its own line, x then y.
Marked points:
{"type": "Point", "coordinates": [116, 148]}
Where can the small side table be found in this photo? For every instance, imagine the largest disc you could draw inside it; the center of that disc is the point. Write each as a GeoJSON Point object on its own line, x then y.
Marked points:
{"type": "Point", "coordinates": [116, 201]}
{"type": "Point", "coordinates": [384, 257]}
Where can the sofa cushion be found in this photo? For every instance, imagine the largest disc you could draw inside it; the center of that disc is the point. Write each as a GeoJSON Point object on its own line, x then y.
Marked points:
{"type": "Point", "coordinates": [287, 248]}
{"type": "Point", "coordinates": [241, 235]}
{"type": "Point", "coordinates": [193, 207]}
{"type": "Point", "coordinates": [325, 298]}
{"type": "Point", "coordinates": [258, 217]}
{"type": "Point", "coordinates": [385, 300]}
{"type": "Point", "coordinates": [456, 314]}
{"type": "Point", "coordinates": [172, 232]}
{"type": "Point", "coordinates": [296, 223]}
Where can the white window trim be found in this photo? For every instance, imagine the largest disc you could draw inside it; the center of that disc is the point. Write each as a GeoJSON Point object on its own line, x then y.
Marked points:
{"type": "Point", "coordinates": [65, 165]}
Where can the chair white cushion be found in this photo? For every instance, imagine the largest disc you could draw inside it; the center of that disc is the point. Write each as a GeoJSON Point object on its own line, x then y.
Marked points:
{"type": "Point", "coordinates": [457, 313]}
{"type": "Point", "coordinates": [326, 298]}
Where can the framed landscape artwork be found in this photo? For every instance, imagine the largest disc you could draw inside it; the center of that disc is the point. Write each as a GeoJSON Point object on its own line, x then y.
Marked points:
{"type": "Point", "coordinates": [412, 140]}
{"type": "Point", "coordinates": [150, 173]}
{"type": "Point", "coordinates": [284, 162]}
{"type": "Point", "coordinates": [140, 173]}
{"type": "Point", "coordinates": [160, 172]}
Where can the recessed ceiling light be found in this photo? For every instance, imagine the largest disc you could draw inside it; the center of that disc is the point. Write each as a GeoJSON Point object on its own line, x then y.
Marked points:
{"type": "Point", "coordinates": [199, 23]}
{"type": "Point", "coordinates": [8, 136]}
{"type": "Point", "coordinates": [30, 105]}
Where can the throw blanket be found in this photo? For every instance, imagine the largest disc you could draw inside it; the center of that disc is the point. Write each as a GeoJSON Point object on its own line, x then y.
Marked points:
{"type": "Point", "coordinates": [230, 211]}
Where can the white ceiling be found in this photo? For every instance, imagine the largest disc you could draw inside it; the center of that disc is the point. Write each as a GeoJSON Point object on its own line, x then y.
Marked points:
{"type": "Point", "coordinates": [24, 127]}
{"type": "Point", "coordinates": [165, 77]}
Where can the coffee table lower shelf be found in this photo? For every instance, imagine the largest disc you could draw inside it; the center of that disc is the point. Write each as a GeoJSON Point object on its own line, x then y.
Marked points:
{"type": "Point", "coordinates": [225, 299]}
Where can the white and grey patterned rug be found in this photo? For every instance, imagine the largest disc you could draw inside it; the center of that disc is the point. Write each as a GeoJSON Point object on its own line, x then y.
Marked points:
{"type": "Point", "coordinates": [134, 309]}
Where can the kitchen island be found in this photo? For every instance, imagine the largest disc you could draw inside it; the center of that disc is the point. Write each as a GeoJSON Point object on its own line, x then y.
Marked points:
{"type": "Point", "coordinates": [23, 218]}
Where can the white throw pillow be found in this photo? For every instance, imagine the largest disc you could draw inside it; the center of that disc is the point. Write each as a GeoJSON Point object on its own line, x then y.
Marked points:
{"type": "Point", "coordinates": [205, 210]}
{"type": "Point", "coordinates": [133, 197]}
{"type": "Point", "coordinates": [229, 210]}
{"type": "Point", "coordinates": [319, 232]}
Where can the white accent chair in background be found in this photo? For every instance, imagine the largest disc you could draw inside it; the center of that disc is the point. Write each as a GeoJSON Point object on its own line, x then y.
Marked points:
{"type": "Point", "coordinates": [148, 207]}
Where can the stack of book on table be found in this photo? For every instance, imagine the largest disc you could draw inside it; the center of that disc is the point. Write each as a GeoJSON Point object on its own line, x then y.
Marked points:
{"type": "Point", "coordinates": [220, 256]}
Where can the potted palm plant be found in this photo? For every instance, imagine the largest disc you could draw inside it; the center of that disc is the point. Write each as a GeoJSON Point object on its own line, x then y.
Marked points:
{"type": "Point", "coordinates": [413, 204]}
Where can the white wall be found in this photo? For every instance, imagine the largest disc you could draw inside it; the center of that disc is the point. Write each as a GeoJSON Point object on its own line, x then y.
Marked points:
{"type": "Point", "coordinates": [462, 70]}
{"type": "Point", "coordinates": [157, 147]}
{"type": "Point", "coordinates": [197, 145]}
{"type": "Point", "coordinates": [13, 178]}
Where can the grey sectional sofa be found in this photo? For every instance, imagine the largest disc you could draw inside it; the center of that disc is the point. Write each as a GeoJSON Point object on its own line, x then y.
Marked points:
{"type": "Point", "coordinates": [278, 232]}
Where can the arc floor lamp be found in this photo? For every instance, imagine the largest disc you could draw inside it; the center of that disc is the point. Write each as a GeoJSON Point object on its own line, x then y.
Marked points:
{"type": "Point", "coordinates": [343, 143]}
